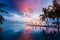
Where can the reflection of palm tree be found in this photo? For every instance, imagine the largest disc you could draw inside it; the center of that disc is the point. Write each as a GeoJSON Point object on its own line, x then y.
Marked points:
{"type": "Point", "coordinates": [2, 18]}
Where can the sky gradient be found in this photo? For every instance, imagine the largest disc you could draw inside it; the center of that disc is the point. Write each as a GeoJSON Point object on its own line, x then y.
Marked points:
{"type": "Point", "coordinates": [17, 8]}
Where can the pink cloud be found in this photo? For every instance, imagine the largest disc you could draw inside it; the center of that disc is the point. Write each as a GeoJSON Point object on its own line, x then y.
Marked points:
{"type": "Point", "coordinates": [28, 5]}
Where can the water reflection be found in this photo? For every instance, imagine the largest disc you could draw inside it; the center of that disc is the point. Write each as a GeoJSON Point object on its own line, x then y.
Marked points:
{"type": "Point", "coordinates": [27, 34]}
{"type": "Point", "coordinates": [31, 32]}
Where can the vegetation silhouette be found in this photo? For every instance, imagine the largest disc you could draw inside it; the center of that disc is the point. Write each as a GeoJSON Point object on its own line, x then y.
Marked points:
{"type": "Point", "coordinates": [2, 18]}
{"type": "Point", "coordinates": [52, 12]}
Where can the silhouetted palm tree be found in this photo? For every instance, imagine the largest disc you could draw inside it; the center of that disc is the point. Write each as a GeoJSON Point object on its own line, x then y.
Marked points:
{"type": "Point", "coordinates": [2, 11]}
{"type": "Point", "coordinates": [45, 16]}
{"type": "Point", "coordinates": [2, 18]}
{"type": "Point", "coordinates": [52, 13]}
{"type": "Point", "coordinates": [57, 12]}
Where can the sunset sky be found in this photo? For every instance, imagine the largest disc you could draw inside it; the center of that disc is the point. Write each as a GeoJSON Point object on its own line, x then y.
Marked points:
{"type": "Point", "coordinates": [17, 8]}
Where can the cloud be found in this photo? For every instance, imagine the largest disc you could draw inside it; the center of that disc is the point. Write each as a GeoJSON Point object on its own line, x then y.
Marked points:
{"type": "Point", "coordinates": [15, 18]}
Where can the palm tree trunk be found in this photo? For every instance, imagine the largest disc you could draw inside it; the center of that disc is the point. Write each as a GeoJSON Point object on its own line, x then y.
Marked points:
{"type": "Point", "coordinates": [47, 28]}
{"type": "Point", "coordinates": [58, 24]}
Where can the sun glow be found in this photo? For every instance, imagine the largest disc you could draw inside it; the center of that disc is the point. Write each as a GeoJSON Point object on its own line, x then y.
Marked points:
{"type": "Point", "coordinates": [33, 20]}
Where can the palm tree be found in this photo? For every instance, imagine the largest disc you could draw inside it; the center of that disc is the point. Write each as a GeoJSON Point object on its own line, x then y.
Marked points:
{"type": "Point", "coordinates": [2, 18]}
{"type": "Point", "coordinates": [56, 5]}
{"type": "Point", "coordinates": [52, 13]}
{"type": "Point", "coordinates": [45, 16]}
{"type": "Point", "coordinates": [2, 11]}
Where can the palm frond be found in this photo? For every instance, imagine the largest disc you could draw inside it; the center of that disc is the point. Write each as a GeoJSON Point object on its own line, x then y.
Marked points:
{"type": "Point", "coordinates": [2, 5]}
{"type": "Point", "coordinates": [42, 17]}
{"type": "Point", "coordinates": [3, 11]}
{"type": "Point", "coordinates": [1, 19]}
{"type": "Point", "coordinates": [1, 29]}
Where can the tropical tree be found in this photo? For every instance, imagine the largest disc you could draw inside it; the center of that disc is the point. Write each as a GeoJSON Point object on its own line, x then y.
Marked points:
{"type": "Point", "coordinates": [2, 18]}
{"type": "Point", "coordinates": [2, 11]}
{"type": "Point", "coordinates": [52, 13]}
{"type": "Point", "coordinates": [56, 14]}
{"type": "Point", "coordinates": [45, 16]}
